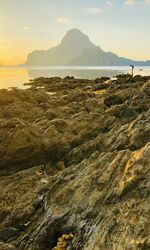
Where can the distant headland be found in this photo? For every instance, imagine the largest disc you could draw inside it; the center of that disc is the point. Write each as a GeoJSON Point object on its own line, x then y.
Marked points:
{"type": "Point", "coordinates": [76, 49]}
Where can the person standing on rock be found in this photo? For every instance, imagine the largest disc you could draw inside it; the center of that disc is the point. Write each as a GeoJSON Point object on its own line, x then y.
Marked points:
{"type": "Point", "coordinates": [132, 68]}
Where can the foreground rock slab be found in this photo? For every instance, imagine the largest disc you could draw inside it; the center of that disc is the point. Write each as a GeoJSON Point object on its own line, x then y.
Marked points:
{"type": "Point", "coordinates": [75, 160]}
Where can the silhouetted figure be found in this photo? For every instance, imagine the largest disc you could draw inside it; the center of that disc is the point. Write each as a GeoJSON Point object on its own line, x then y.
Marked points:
{"type": "Point", "coordinates": [132, 68]}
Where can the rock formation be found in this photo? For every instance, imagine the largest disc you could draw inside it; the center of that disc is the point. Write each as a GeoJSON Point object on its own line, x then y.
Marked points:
{"type": "Point", "coordinates": [77, 49]}
{"type": "Point", "coordinates": [75, 164]}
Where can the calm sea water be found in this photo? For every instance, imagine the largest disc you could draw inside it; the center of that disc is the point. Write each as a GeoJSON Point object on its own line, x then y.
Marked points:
{"type": "Point", "coordinates": [16, 76]}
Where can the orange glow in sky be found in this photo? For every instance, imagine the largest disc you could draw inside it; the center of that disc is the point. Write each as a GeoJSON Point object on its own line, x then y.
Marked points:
{"type": "Point", "coordinates": [119, 26]}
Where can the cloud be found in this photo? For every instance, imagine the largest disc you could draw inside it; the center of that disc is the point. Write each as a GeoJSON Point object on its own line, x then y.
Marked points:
{"type": "Point", "coordinates": [27, 28]}
{"type": "Point", "coordinates": [147, 1]}
{"type": "Point", "coordinates": [109, 3]}
{"type": "Point", "coordinates": [130, 2]}
{"type": "Point", "coordinates": [93, 11]}
{"type": "Point", "coordinates": [62, 20]}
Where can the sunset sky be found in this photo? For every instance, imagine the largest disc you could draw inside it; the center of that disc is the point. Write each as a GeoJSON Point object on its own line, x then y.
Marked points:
{"type": "Point", "coordinates": [120, 26]}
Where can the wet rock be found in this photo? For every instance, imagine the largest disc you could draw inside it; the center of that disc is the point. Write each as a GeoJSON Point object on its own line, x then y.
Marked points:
{"type": "Point", "coordinates": [101, 80]}
{"type": "Point", "coordinates": [50, 114]}
{"type": "Point", "coordinates": [55, 143]}
{"type": "Point", "coordinates": [112, 100]}
{"type": "Point", "coordinates": [69, 78]}
{"type": "Point", "coordinates": [5, 246]}
{"type": "Point", "coordinates": [123, 76]}
{"type": "Point", "coordinates": [124, 113]}
{"type": "Point", "coordinates": [60, 124]}
{"type": "Point", "coordinates": [8, 232]}
{"type": "Point", "coordinates": [76, 162]}
{"type": "Point", "coordinates": [22, 144]}
{"type": "Point", "coordinates": [38, 202]}
{"type": "Point", "coordinates": [60, 165]}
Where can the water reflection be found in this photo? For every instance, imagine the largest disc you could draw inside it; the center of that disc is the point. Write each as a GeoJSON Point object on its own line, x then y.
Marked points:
{"type": "Point", "coordinates": [13, 77]}
{"type": "Point", "coordinates": [17, 76]}
{"type": "Point", "coordinates": [80, 73]}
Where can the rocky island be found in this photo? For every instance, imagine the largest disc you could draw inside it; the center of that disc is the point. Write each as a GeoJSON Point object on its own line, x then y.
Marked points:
{"type": "Point", "coordinates": [75, 164]}
{"type": "Point", "coordinates": [76, 49]}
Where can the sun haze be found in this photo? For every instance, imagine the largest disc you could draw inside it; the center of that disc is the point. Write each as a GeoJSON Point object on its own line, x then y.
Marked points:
{"type": "Point", "coordinates": [120, 26]}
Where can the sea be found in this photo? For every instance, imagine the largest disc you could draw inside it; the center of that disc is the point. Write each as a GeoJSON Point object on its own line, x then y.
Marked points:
{"type": "Point", "coordinates": [15, 77]}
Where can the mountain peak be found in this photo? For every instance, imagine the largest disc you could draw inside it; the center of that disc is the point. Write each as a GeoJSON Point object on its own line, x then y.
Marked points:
{"type": "Point", "coordinates": [77, 49]}
{"type": "Point", "coordinates": [75, 30]}
{"type": "Point", "coordinates": [75, 36]}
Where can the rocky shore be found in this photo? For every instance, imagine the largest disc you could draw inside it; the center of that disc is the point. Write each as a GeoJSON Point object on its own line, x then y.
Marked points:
{"type": "Point", "coordinates": [75, 164]}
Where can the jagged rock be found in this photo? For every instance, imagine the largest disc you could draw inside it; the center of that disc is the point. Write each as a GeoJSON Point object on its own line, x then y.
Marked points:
{"type": "Point", "coordinates": [8, 232]}
{"type": "Point", "coordinates": [112, 100]}
{"type": "Point", "coordinates": [5, 246]}
{"type": "Point", "coordinates": [77, 164]}
{"type": "Point", "coordinates": [20, 144]}
{"type": "Point", "coordinates": [55, 143]}
{"type": "Point", "coordinates": [123, 76]}
{"type": "Point", "coordinates": [50, 114]}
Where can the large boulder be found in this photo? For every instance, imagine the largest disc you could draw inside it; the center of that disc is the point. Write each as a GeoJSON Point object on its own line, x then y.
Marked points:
{"type": "Point", "coordinates": [113, 100]}
{"type": "Point", "coordinates": [6, 246]}
{"type": "Point", "coordinates": [8, 232]}
{"type": "Point", "coordinates": [20, 143]}
{"type": "Point", "coordinates": [56, 145]}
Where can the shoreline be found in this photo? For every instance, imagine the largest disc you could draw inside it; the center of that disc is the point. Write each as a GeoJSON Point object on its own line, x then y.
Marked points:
{"type": "Point", "coordinates": [15, 77]}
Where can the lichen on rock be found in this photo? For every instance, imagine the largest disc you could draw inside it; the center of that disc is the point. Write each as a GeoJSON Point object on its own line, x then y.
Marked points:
{"type": "Point", "coordinates": [63, 242]}
{"type": "Point", "coordinates": [76, 161]}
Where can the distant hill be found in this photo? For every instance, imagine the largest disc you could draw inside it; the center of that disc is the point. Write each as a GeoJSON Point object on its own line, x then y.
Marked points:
{"type": "Point", "coordinates": [76, 49]}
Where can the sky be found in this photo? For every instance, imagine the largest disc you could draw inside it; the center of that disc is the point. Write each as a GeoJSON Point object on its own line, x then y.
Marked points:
{"type": "Point", "coordinates": [119, 26]}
